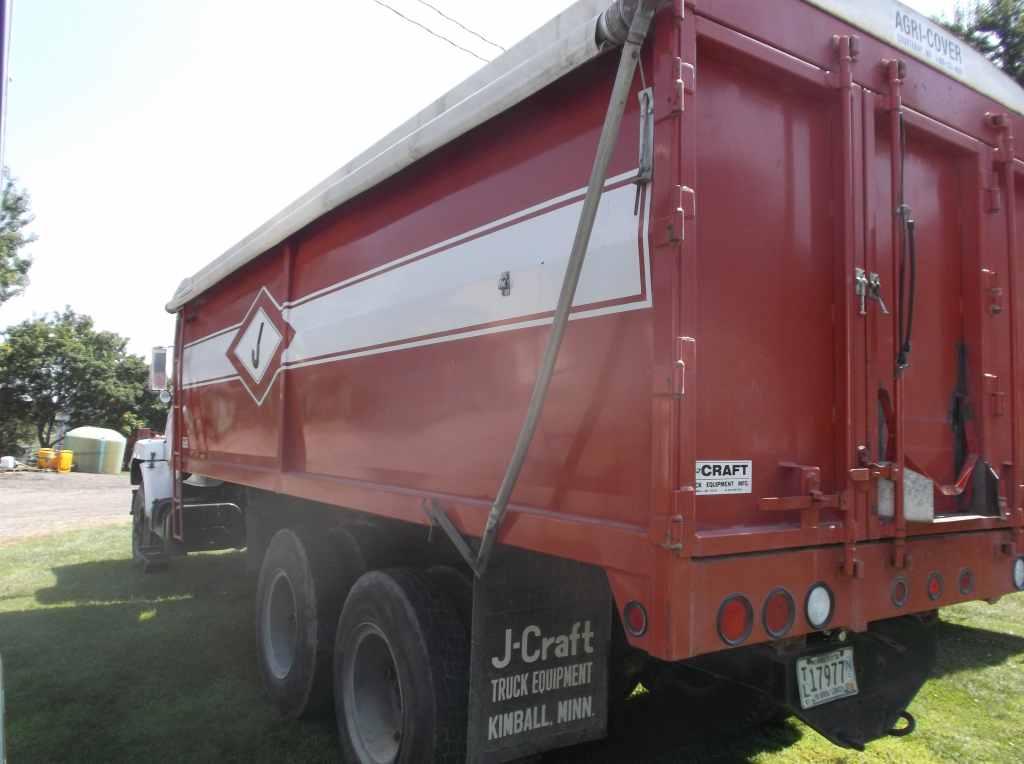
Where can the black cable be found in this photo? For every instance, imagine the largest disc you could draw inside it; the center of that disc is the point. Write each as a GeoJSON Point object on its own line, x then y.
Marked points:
{"type": "Point", "coordinates": [912, 258]}
{"type": "Point", "coordinates": [460, 25]}
{"type": "Point", "coordinates": [908, 261]}
{"type": "Point", "coordinates": [430, 31]}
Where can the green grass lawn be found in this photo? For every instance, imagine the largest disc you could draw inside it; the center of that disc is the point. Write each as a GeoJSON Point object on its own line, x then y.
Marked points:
{"type": "Point", "coordinates": [104, 664]}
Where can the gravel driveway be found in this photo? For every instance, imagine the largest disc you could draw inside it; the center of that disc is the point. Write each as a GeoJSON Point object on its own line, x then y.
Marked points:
{"type": "Point", "coordinates": [37, 503]}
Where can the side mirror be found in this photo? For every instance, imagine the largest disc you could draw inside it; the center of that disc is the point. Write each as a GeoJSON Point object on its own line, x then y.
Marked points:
{"type": "Point", "coordinates": [158, 369]}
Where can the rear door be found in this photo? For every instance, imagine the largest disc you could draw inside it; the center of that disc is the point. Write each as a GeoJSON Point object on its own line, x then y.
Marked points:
{"type": "Point", "coordinates": [772, 325]}
{"type": "Point", "coordinates": [948, 248]}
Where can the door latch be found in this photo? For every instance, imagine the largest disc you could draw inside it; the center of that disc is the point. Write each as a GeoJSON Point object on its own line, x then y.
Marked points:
{"type": "Point", "coordinates": [875, 291]}
{"type": "Point", "coordinates": [868, 286]}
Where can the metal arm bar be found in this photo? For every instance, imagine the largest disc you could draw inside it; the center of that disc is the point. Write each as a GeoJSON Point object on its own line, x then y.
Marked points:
{"type": "Point", "coordinates": [638, 29]}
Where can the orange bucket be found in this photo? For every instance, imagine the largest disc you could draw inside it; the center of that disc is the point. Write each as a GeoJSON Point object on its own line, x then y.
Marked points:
{"type": "Point", "coordinates": [44, 458]}
{"type": "Point", "coordinates": [63, 460]}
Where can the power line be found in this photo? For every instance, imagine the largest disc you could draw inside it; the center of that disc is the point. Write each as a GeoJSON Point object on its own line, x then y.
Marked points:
{"type": "Point", "coordinates": [460, 25]}
{"type": "Point", "coordinates": [430, 31]}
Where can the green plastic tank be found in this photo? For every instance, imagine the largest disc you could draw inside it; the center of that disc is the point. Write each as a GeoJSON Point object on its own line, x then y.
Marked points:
{"type": "Point", "coordinates": [96, 450]}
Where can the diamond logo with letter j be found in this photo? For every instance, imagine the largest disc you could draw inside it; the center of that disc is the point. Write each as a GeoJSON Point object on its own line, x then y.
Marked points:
{"type": "Point", "coordinates": [258, 348]}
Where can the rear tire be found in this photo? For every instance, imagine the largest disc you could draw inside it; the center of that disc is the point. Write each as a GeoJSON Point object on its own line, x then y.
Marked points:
{"type": "Point", "coordinates": [299, 593]}
{"type": "Point", "coordinates": [401, 671]}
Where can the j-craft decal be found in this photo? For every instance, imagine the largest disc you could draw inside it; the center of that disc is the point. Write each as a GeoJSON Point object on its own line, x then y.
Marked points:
{"type": "Point", "coordinates": [443, 293]}
{"type": "Point", "coordinates": [715, 477]}
{"type": "Point", "coordinates": [539, 658]}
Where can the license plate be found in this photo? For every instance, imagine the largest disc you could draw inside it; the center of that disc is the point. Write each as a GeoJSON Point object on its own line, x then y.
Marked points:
{"type": "Point", "coordinates": [826, 677]}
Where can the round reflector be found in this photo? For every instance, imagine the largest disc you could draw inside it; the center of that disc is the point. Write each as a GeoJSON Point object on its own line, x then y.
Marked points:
{"type": "Point", "coordinates": [966, 581]}
{"type": "Point", "coordinates": [778, 613]}
{"type": "Point", "coordinates": [819, 606]}
{"type": "Point", "coordinates": [1018, 573]}
{"type": "Point", "coordinates": [735, 619]}
{"type": "Point", "coordinates": [934, 586]}
{"type": "Point", "coordinates": [899, 591]}
{"type": "Point", "coordinates": [634, 618]}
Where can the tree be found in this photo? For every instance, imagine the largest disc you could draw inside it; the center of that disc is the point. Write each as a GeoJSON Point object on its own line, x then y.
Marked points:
{"type": "Point", "coordinates": [14, 219]}
{"type": "Point", "coordinates": [61, 363]}
{"type": "Point", "coordinates": [996, 29]}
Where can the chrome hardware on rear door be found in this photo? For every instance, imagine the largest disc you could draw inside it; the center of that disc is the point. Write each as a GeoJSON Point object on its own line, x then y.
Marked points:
{"type": "Point", "coordinates": [860, 288]}
{"type": "Point", "coordinates": [875, 291]}
{"type": "Point", "coordinates": [868, 286]}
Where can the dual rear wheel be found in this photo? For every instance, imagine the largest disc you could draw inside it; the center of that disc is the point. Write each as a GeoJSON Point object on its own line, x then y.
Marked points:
{"type": "Point", "coordinates": [387, 645]}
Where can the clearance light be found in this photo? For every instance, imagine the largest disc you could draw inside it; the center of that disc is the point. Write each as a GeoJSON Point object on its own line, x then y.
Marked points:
{"type": "Point", "coordinates": [819, 606]}
{"type": "Point", "coordinates": [966, 581]}
{"type": "Point", "coordinates": [778, 613]}
{"type": "Point", "coordinates": [900, 592]}
{"type": "Point", "coordinates": [634, 618]}
{"type": "Point", "coordinates": [1018, 573]}
{"type": "Point", "coordinates": [735, 619]}
{"type": "Point", "coordinates": [934, 586]}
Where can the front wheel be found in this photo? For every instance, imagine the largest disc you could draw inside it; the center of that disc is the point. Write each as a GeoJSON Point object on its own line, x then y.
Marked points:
{"type": "Point", "coordinates": [139, 524]}
{"type": "Point", "coordinates": [401, 672]}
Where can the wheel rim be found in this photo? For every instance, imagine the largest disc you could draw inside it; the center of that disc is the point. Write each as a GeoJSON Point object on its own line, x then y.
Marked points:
{"type": "Point", "coordinates": [373, 697]}
{"type": "Point", "coordinates": [280, 626]}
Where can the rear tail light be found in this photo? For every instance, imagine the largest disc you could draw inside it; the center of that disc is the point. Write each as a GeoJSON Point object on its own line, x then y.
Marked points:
{"type": "Point", "coordinates": [735, 619]}
{"type": "Point", "coordinates": [900, 592]}
{"type": "Point", "coordinates": [634, 618]}
{"type": "Point", "coordinates": [934, 586]}
{"type": "Point", "coordinates": [819, 606]}
{"type": "Point", "coordinates": [778, 613]}
{"type": "Point", "coordinates": [1018, 573]}
{"type": "Point", "coordinates": [966, 581]}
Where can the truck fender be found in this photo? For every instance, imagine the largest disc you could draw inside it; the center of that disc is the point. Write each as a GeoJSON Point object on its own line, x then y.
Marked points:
{"type": "Point", "coordinates": [153, 471]}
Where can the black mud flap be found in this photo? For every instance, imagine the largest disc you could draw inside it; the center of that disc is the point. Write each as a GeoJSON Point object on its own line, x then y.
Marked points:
{"type": "Point", "coordinates": [539, 657]}
{"type": "Point", "coordinates": [893, 659]}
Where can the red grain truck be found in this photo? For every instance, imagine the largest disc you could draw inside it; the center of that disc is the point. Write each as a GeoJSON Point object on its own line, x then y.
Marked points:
{"type": "Point", "coordinates": [682, 345]}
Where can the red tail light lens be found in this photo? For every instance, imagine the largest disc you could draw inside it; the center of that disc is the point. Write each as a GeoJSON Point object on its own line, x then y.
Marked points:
{"type": "Point", "coordinates": [779, 613]}
{"type": "Point", "coordinates": [966, 581]}
{"type": "Point", "coordinates": [934, 586]}
{"type": "Point", "coordinates": [634, 618]}
{"type": "Point", "coordinates": [735, 619]}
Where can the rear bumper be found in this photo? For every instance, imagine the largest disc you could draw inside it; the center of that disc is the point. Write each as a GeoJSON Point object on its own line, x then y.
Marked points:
{"type": "Point", "coordinates": [986, 556]}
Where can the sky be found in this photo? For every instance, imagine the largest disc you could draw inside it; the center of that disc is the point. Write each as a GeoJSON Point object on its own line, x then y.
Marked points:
{"type": "Point", "coordinates": [154, 134]}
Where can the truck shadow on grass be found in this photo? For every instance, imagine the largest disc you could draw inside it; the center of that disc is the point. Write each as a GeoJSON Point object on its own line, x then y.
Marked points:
{"type": "Point", "coordinates": [966, 648]}
{"type": "Point", "coordinates": [117, 666]}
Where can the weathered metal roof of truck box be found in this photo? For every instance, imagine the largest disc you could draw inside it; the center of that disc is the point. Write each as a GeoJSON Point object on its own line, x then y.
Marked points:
{"type": "Point", "coordinates": [563, 44]}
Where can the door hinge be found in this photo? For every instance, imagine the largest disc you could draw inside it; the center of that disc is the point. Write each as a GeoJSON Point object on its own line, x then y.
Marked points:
{"type": "Point", "coordinates": [993, 199]}
{"type": "Point", "coordinates": [673, 534]}
{"type": "Point", "coordinates": [670, 229]}
{"type": "Point", "coordinates": [685, 351]}
{"type": "Point", "coordinates": [685, 83]}
{"type": "Point", "coordinates": [994, 291]}
{"type": "Point", "coordinates": [997, 396]}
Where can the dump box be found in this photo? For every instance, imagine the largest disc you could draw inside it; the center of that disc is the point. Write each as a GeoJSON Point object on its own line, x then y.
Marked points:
{"type": "Point", "coordinates": [784, 424]}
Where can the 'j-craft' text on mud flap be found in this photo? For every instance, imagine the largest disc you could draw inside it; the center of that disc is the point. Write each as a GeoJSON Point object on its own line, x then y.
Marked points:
{"type": "Point", "coordinates": [539, 662]}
